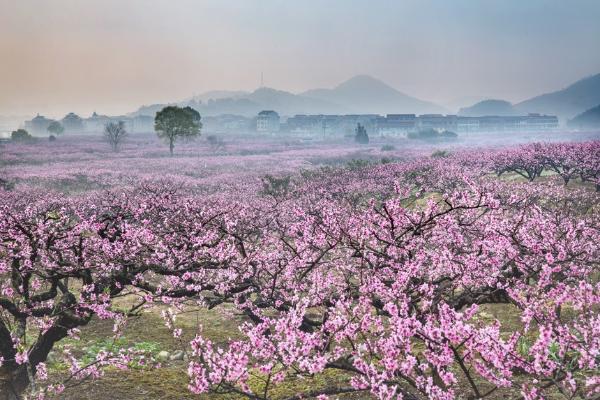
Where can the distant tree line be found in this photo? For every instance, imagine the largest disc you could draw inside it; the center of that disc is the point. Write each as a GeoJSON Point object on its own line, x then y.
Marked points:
{"type": "Point", "coordinates": [432, 134]}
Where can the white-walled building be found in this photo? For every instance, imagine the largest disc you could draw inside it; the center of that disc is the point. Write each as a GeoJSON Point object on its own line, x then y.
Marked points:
{"type": "Point", "coordinates": [267, 121]}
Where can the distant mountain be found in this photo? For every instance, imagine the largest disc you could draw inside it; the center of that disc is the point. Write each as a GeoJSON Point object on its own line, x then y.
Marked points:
{"type": "Point", "coordinates": [225, 99]}
{"type": "Point", "coordinates": [218, 94]}
{"type": "Point", "coordinates": [462, 102]}
{"type": "Point", "coordinates": [237, 106]}
{"type": "Point", "coordinates": [250, 104]}
{"type": "Point", "coordinates": [286, 103]}
{"type": "Point", "coordinates": [489, 107]}
{"type": "Point", "coordinates": [587, 119]}
{"type": "Point", "coordinates": [149, 110]}
{"type": "Point", "coordinates": [359, 95]}
{"type": "Point", "coordinates": [568, 102]}
{"type": "Point", "coordinates": [367, 95]}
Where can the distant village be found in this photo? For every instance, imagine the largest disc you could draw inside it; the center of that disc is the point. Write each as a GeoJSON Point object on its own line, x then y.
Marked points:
{"type": "Point", "coordinates": [270, 122]}
{"type": "Point", "coordinates": [73, 123]}
{"type": "Point", "coordinates": [400, 125]}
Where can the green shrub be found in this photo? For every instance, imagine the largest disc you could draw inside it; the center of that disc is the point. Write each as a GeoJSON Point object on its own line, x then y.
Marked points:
{"type": "Point", "coordinates": [440, 154]}
{"type": "Point", "coordinates": [20, 135]}
{"type": "Point", "coordinates": [275, 186]}
{"type": "Point", "coordinates": [356, 164]}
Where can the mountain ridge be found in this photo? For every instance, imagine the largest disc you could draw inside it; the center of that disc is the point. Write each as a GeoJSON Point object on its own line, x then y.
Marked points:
{"type": "Point", "coordinates": [364, 94]}
{"type": "Point", "coordinates": [566, 102]}
{"type": "Point", "coordinates": [489, 107]}
{"type": "Point", "coordinates": [588, 119]}
{"type": "Point", "coordinates": [367, 95]}
{"type": "Point", "coordinates": [360, 94]}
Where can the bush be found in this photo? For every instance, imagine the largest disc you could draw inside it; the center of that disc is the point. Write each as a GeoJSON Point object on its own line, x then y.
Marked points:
{"type": "Point", "coordinates": [431, 134]}
{"type": "Point", "coordinates": [20, 135]}
{"type": "Point", "coordinates": [215, 143]}
{"type": "Point", "coordinates": [448, 135]}
{"type": "Point", "coordinates": [387, 147]}
{"type": "Point", "coordinates": [440, 154]}
{"type": "Point", "coordinates": [357, 164]}
{"type": "Point", "coordinates": [361, 135]}
{"type": "Point", "coordinates": [274, 186]}
{"type": "Point", "coordinates": [6, 185]}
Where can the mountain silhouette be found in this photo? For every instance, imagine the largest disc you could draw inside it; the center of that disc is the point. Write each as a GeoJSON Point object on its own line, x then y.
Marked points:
{"type": "Point", "coordinates": [489, 107]}
{"type": "Point", "coordinates": [359, 95]}
{"type": "Point", "coordinates": [568, 102]}
{"type": "Point", "coordinates": [365, 94]}
{"type": "Point", "coordinates": [589, 119]}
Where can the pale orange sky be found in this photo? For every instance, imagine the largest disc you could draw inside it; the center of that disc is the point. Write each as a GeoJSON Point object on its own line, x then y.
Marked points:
{"type": "Point", "coordinates": [114, 55]}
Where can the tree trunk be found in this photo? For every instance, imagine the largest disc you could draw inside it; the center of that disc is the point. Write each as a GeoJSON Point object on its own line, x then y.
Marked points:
{"type": "Point", "coordinates": [171, 145]}
{"type": "Point", "coordinates": [13, 384]}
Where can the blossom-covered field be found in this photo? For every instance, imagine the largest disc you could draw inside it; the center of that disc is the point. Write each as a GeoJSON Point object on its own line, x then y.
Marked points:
{"type": "Point", "coordinates": [273, 268]}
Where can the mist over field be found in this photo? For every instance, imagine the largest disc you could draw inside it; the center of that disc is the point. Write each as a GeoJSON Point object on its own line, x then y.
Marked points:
{"type": "Point", "coordinates": [273, 200]}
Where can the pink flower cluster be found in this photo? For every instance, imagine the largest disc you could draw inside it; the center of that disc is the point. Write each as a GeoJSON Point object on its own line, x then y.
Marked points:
{"type": "Point", "coordinates": [425, 279]}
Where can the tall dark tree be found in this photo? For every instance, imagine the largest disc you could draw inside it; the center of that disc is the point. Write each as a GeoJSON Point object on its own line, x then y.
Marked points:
{"type": "Point", "coordinates": [55, 128]}
{"type": "Point", "coordinates": [115, 133]}
{"type": "Point", "coordinates": [361, 134]}
{"type": "Point", "coordinates": [173, 123]}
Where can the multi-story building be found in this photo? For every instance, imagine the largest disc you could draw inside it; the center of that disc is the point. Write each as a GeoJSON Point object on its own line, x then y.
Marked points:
{"type": "Point", "coordinates": [267, 122]}
{"type": "Point", "coordinates": [228, 123]}
{"type": "Point", "coordinates": [330, 125]}
{"type": "Point", "coordinates": [467, 124]}
{"type": "Point", "coordinates": [73, 123]}
{"type": "Point", "coordinates": [93, 125]}
{"type": "Point", "coordinates": [96, 123]}
{"type": "Point", "coordinates": [401, 124]}
{"type": "Point", "coordinates": [396, 124]}
{"type": "Point", "coordinates": [526, 123]}
{"type": "Point", "coordinates": [438, 122]}
{"type": "Point", "coordinates": [537, 122]}
{"type": "Point", "coordinates": [38, 125]}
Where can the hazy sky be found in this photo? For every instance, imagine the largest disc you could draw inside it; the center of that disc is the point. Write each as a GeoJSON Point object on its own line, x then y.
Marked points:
{"type": "Point", "coordinates": [114, 55]}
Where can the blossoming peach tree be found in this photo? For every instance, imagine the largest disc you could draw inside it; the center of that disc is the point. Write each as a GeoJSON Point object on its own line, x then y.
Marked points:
{"type": "Point", "coordinates": [386, 281]}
